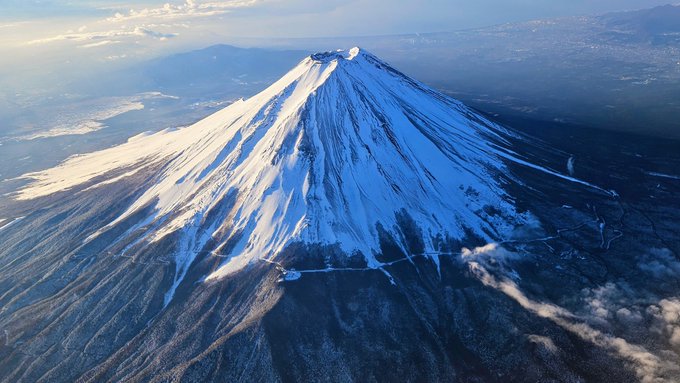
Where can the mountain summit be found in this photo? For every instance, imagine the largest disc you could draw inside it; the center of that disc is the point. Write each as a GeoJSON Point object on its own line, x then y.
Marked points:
{"type": "Point", "coordinates": [342, 151]}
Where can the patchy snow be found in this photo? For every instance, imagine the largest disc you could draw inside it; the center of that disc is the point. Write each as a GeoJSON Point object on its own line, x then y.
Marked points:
{"type": "Point", "coordinates": [663, 175]}
{"type": "Point", "coordinates": [570, 166]}
{"type": "Point", "coordinates": [291, 275]}
{"type": "Point", "coordinates": [341, 143]}
{"type": "Point", "coordinates": [354, 52]}
{"type": "Point", "coordinates": [90, 117]}
{"type": "Point", "coordinates": [515, 158]}
{"type": "Point", "coordinates": [77, 128]}
{"type": "Point", "coordinates": [84, 124]}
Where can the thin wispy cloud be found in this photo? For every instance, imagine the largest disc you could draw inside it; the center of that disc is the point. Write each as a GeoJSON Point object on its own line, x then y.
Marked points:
{"type": "Point", "coordinates": [11, 25]}
{"type": "Point", "coordinates": [155, 23]}
{"type": "Point", "coordinates": [104, 37]}
{"type": "Point", "coordinates": [189, 9]}
{"type": "Point", "coordinates": [99, 44]}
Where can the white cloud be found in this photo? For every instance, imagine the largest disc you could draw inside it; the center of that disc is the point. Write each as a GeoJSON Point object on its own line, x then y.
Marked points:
{"type": "Point", "coordinates": [482, 250]}
{"type": "Point", "coordinates": [12, 25]}
{"type": "Point", "coordinates": [489, 251]}
{"type": "Point", "coordinates": [137, 23]}
{"type": "Point", "coordinates": [544, 341]}
{"type": "Point", "coordinates": [99, 44]}
{"type": "Point", "coordinates": [190, 8]}
{"type": "Point", "coordinates": [611, 301]}
{"type": "Point", "coordinates": [667, 314]}
{"type": "Point", "coordinates": [628, 316]}
{"type": "Point", "coordinates": [109, 36]}
{"type": "Point", "coordinates": [115, 57]}
{"type": "Point", "coordinates": [660, 263]}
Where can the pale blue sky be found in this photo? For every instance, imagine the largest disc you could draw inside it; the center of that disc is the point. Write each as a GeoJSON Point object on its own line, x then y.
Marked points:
{"type": "Point", "coordinates": [45, 33]}
{"type": "Point", "coordinates": [336, 17]}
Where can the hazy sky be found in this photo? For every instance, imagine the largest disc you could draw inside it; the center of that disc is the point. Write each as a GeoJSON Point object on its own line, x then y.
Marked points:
{"type": "Point", "coordinates": [78, 31]}
{"type": "Point", "coordinates": [313, 17]}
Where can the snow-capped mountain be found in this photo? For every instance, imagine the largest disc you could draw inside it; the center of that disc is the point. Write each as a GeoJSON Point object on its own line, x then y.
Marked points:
{"type": "Point", "coordinates": [346, 224]}
{"type": "Point", "coordinates": [334, 153]}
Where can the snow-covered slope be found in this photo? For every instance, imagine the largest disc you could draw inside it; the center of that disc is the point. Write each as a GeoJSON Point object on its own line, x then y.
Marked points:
{"type": "Point", "coordinates": [339, 145]}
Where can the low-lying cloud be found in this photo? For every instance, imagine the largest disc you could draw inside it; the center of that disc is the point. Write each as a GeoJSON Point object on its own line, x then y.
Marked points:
{"type": "Point", "coordinates": [601, 306]}
{"type": "Point", "coordinates": [667, 315]}
{"type": "Point", "coordinates": [660, 263]}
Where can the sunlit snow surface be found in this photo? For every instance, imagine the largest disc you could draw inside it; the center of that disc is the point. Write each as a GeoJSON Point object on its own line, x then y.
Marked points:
{"type": "Point", "coordinates": [338, 145]}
